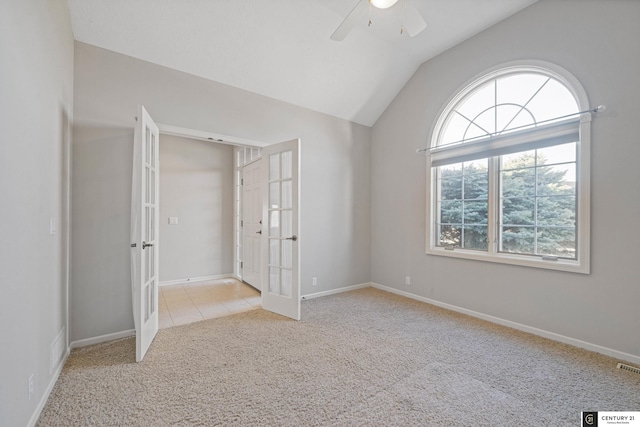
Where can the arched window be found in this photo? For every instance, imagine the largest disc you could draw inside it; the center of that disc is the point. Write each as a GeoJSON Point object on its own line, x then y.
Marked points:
{"type": "Point", "coordinates": [509, 170]}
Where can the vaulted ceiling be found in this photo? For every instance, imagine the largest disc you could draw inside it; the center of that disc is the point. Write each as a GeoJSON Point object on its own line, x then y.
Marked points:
{"type": "Point", "coordinates": [281, 48]}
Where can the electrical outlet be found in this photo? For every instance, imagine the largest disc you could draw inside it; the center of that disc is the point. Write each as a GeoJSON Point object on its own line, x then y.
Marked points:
{"type": "Point", "coordinates": [30, 386]}
{"type": "Point", "coordinates": [407, 280]}
{"type": "Point", "coordinates": [314, 281]}
{"type": "Point", "coordinates": [173, 220]}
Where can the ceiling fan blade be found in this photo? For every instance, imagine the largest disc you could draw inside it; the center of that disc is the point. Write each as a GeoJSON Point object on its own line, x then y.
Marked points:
{"type": "Point", "coordinates": [357, 14]}
{"type": "Point", "coordinates": [412, 20]}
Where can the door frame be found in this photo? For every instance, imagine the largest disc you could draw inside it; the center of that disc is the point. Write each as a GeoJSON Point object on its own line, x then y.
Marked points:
{"type": "Point", "coordinates": [237, 210]}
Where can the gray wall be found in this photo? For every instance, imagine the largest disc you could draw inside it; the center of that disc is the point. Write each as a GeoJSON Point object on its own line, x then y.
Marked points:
{"type": "Point", "coordinates": [334, 226]}
{"type": "Point", "coordinates": [597, 41]}
{"type": "Point", "coordinates": [196, 186]}
{"type": "Point", "coordinates": [36, 94]}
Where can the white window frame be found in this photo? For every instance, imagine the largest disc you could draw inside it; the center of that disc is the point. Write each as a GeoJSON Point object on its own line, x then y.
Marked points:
{"type": "Point", "coordinates": [583, 123]}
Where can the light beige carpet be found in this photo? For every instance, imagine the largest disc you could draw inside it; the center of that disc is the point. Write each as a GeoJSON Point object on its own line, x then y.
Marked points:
{"type": "Point", "coordinates": [362, 358]}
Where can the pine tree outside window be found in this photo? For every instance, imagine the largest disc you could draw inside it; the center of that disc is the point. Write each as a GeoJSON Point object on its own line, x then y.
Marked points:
{"type": "Point", "coordinates": [509, 171]}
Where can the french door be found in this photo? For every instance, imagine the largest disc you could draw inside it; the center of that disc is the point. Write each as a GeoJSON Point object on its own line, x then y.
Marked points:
{"type": "Point", "coordinates": [144, 232]}
{"type": "Point", "coordinates": [280, 250]}
{"type": "Point", "coordinates": [252, 223]}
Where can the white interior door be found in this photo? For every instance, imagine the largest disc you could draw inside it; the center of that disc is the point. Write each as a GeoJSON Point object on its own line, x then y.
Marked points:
{"type": "Point", "coordinates": [252, 223]}
{"type": "Point", "coordinates": [280, 251]}
{"type": "Point", "coordinates": [144, 232]}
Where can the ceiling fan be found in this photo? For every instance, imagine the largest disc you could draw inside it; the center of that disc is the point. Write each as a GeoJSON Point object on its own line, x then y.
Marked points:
{"type": "Point", "coordinates": [412, 21]}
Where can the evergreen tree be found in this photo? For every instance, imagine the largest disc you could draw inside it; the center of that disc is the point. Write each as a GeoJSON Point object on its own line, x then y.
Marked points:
{"type": "Point", "coordinates": [538, 207]}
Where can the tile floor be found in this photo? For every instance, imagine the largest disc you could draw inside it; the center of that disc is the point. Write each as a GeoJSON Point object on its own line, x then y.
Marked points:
{"type": "Point", "coordinates": [191, 302]}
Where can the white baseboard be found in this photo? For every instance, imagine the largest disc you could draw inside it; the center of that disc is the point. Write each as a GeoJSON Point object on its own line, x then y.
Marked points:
{"type": "Point", "coordinates": [336, 291]}
{"type": "Point", "coordinates": [519, 326]}
{"type": "Point", "coordinates": [102, 338]}
{"type": "Point", "coordinates": [43, 401]}
{"type": "Point", "coordinates": [197, 279]}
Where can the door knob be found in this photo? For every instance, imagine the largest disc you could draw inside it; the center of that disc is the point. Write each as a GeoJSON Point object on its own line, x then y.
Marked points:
{"type": "Point", "coordinates": [294, 238]}
{"type": "Point", "coordinates": [145, 244]}
{"type": "Point", "coordinates": [259, 232]}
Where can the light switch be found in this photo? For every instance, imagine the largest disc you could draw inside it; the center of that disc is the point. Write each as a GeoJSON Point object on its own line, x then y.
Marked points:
{"type": "Point", "coordinates": [173, 220]}
{"type": "Point", "coordinates": [52, 226]}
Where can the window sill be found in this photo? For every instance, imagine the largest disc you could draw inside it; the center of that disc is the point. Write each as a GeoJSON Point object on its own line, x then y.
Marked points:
{"type": "Point", "coordinates": [571, 266]}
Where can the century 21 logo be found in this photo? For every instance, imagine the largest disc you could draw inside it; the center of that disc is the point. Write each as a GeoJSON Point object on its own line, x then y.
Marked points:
{"type": "Point", "coordinates": [590, 419]}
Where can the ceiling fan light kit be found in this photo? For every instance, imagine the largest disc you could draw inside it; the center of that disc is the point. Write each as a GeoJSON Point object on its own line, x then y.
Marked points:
{"type": "Point", "coordinates": [412, 21]}
{"type": "Point", "coordinates": [383, 4]}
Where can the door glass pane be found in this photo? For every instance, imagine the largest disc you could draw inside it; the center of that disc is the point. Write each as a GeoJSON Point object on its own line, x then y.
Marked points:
{"type": "Point", "coordinates": [274, 280]}
{"type": "Point", "coordinates": [152, 303]}
{"type": "Point", "coordinates": [287, 253]}
{"type": "Point", "coordinates": [274, 224]}
{"type": "Point", "coordinates": [152, 223]}
{"type": "Point", "coordinates": [146, 229]}
{"type": "Point", "coordinates": [274, 252]}
{"type": "Point", "coordinates": [287, 277]}
{"type": "Point", "coordinates": [286, 225]}
{"type": "Point", "coordinates": [274, 195]}
{"type": "Point", "coordinates": [152, 261]}
{"type": "Point", "coordinates": [152, 186]}
{"type": "Point", "coordinates": [146, 184]}
{"type": "Point", "coordinates": [147, 150]}
{"type": "Point", "coordinates": [287, 165]}
{"type": "Point", "coordinates": [146, 302]}
{"type": "Point", "coordinates": [153, 150]}
{"type": "Point", "coordinates": [147, 264]}
{"type": "Point", "coordinates": [287, 194]}
{"type": "Point", "coordinates": [274, 167]}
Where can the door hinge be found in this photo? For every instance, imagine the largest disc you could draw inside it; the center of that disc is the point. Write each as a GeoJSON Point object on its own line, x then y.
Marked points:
{"type": "Point", "coordinates": [241, 181]}
{"type": "Point", "coordinates": [241, 223]}
{"type": "Point", "coordinates": [241, 264]}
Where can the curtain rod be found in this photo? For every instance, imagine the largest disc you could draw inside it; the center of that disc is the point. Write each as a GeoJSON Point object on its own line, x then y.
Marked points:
{"type": "Point", "coordinates": [600, 108]}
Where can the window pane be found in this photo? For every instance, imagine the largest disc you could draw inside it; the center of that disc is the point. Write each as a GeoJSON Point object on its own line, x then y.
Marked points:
{"type": "Point", "coordinates": [476, 179]}
{"type": "Point", "coordinates": [274, 195]}
{"type": "Point", "coordinates": [476, 186]}
{"type": "Point", "coordinates": [450, 177]}
{"type": "Point", "coordinates": [518, 240]}
{"type": "Point", "coordinates": [557, 180]}
{"type": "Point", "coordinates": [274, 224]}
{"type": "Point", "coordinates": [274, 280]}
{"type": "Point", "coordinates": [478, 101]}
{"type": "Point", "coordinates": [553, 100]}
{"type": "Point", "coordinates": [453, 130]}
{"type": "Point", "coordinates": [560, 242]}
{"type": "Point", "coordinates": [287, 165]}
{"type": "Point", "coordinates": [287, 283]}
{"type": "Point", "coordinates": [475, 212]}
{"type": "Point", "coordinates": [475, 237]}
{"type": "Point", "coordinates": [274, 252]}
{"type": "Point", "coordinates": [518, 211]}
{"type": "Point", "coordinates": [518, 160]}
{"type": "Point", "coordinates": [274, 167]}
{"type": "Point", "coordinates": [519, 88]}
{"type": "Point", "coordinates": [450, 236]}
{"type": "Point", "coordinates": [559, 211]}
{"type": "Point", "coordinates": [518, 183]}
{"type": "Point", "coordinates": [451, 212]}
{"type": "Point", "coordinates": [287, 194]}
{"type": "Point", "coordinates": [564, 153]}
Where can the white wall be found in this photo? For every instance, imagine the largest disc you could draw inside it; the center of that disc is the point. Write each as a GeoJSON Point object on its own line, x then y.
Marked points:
{"type": "Point", "coordinates": [597, 41]}
{"type": "Point", "coordinates": [36, 94]}
{"type": "Point", "coordinates": [196, 186]}
{"type": "Point", "coordinates": [334, 229]}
